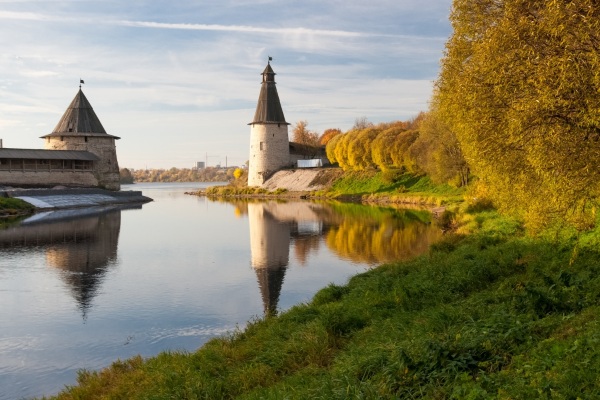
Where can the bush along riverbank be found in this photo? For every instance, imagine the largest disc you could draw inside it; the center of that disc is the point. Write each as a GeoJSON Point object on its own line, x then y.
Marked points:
{"type": "Point", "coordinates": [489, 312]}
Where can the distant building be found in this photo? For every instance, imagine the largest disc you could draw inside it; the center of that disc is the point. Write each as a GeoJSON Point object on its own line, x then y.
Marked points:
{"type": "Point", "coordinates": [200, 165]}
{"type": "Point", "coordinates": [270, 148]}
{"type": "Point", "coordinates": [78, 153]}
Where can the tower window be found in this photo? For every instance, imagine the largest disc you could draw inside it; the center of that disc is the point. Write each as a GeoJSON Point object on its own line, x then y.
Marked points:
{"type": "Point", "coordinates": [62, 139]}
{"type": "Point", "coordinates": [262, 145]}
{"type": "Point", "coordinates": [86, 138]}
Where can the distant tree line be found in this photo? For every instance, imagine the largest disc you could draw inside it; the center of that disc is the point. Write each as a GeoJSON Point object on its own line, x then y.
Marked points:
{"type": "Point", "coordinates": [177, 175]}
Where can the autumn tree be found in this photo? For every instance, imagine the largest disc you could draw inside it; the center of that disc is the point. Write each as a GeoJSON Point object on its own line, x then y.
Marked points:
{"type": "Point", "coordinates": [341, 149]}
{"type": "Point", "coordinates": [125, 175]}
{"type": "Point", "coordinates": [330, 148]}
{"type": "Point", "coordinates": [437, 151]}
{"type": "Point", "coordinates": [301, 134]}
{"type": "Point", "coordinates": [359, 148]}
{"type": "Point", "coordinates": [327, 135]}
{"type": "Point", "coordinates": [520, 88]}
{"type": "Point", "coordinates": [381, 149]}
{"type": "Point", "coordinates": [400, 151]}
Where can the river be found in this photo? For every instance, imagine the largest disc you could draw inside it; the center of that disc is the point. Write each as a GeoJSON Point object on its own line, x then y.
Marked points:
{"type": "Point", "coordinates": [83, 288]}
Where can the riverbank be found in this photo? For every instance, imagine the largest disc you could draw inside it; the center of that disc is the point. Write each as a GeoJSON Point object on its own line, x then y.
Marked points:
{"type": "Point", "coordinates": [372, 187]}
{"type": "Point", "coordinates": [488, 312]}
{"type": "Point", "coordinates": [14, 207]}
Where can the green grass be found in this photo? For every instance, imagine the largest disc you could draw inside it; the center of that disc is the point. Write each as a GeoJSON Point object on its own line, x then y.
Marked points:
{"type": "Point", "coordinates": [242, 191]}
{"type": "Point", "coordinates": [9, 206]}
{"type": "Point", "coordinates": [393, 185]}
{"type": "Point", "coordinates": [492, 314]}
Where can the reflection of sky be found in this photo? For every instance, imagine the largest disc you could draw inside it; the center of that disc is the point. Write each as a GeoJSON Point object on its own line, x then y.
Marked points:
{"type": "Point", "coordinates": [182, 275]}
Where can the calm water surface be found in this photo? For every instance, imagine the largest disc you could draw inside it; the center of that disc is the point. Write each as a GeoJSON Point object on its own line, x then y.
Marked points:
{"type": "Point", "coordinates": [81, 289]}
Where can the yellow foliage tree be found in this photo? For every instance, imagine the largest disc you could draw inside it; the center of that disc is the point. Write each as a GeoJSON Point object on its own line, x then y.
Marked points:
{"type": "Point", "coordinates": [520, 88]}
{"type": "Point", "coordinates": [359, 148]}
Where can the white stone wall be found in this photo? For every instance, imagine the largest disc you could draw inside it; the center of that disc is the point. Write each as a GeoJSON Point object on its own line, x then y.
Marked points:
{"type": "Point", "coordinates": [106, 169]}
{"type": "Point", "coordinates": [48, 178]}
{"type": "Point", "coordinates": [269, 151]}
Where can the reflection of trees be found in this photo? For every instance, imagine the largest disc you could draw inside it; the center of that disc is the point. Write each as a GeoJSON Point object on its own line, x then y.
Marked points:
{"type": "Point", "coordinates": [364, 234]}
{"type": "Point", "coordinates": [377, 242]}
{"type": "Point", "coordinates": [82, 243]}
{"type": "Point", "coordinates": [353, 231]}
{"type": "Point", "coordinates": [380, 234]}
{"type": "Point", "coordinates": [304, 245]}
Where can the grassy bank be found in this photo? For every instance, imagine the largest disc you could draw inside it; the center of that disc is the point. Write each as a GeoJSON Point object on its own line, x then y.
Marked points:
{"type": "Point", "coordinates": [393, 186]}
{"type": "Point", "coordinates": [12, 207]}
{"type": "Point", "coordinates": [491, 314]}
{"type": "Point", "coordinates": [367, 186]}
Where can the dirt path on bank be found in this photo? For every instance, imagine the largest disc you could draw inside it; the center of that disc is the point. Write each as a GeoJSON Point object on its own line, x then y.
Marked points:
{"type": "Point", "coordinates": [303, 180]}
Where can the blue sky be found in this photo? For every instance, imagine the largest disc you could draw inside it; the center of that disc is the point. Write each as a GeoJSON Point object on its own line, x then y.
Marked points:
{"type": "Point", "coordinates": [178, 80]}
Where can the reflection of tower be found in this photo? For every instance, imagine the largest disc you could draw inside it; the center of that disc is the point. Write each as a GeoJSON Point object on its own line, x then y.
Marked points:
{"type": "Point", "coordinates": [86, 256]}
{"type": "Point", "coordinates": [270, 248]}
{"type": "Point", "coordinates": [81, 243]}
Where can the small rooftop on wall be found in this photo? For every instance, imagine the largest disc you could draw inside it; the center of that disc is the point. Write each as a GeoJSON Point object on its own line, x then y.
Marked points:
{"type": "Point", "coordinates": [268, 109]}
{"type": "Point", "coordinates": [79, 120]}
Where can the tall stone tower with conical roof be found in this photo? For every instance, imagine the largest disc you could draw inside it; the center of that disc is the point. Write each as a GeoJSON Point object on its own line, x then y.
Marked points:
{"type": "Point", "coordinates": [80, 129]}
{"type": "Point", "coordinates": [269, 142]}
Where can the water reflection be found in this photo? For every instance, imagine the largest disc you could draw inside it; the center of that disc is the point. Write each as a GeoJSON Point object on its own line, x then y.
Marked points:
{"type": "Point", "coordinates": [80, 243]}
{"type": "Point", "coordinates": [362, 234]}
{"type": "Point", "coordinates": [273, 226]}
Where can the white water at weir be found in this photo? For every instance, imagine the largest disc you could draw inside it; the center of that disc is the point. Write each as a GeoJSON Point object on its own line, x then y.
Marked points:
{"type": "Point", "coordinates": [84, 289]}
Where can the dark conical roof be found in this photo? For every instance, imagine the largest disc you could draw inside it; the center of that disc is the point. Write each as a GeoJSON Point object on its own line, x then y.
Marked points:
{"type": "Point", "coordinates": [268, 109]}
{"type": "Point", "coordinates": [79, 120]}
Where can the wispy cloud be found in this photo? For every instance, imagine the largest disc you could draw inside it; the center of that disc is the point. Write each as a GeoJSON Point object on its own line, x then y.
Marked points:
{"type": "Point", "coordinates": [30, 16]}
{"type": "Point", "coordinates": [255, 29]}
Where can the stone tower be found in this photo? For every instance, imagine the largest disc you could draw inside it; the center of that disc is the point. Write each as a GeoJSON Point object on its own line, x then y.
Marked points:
{"type": "Point", "coordinates": [80, 129]}
{"type": "Point", "coordinates": [269, 143]}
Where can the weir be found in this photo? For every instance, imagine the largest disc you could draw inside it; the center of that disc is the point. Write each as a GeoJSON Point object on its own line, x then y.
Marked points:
{"type": "Point", "coordinates": [44, 199]}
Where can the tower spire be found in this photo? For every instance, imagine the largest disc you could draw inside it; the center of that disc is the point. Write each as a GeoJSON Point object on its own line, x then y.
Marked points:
{"type": "Point", "coordinates": [268, 109]}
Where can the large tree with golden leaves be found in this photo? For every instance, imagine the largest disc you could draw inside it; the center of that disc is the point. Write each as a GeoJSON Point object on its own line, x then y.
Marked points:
{"type": "Point", "coordinates": [520, 88]}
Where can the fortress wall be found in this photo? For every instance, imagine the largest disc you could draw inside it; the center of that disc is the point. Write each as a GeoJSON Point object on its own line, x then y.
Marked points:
{"type": "Point", "coordinates": [106, 169]}
{"type": "Point", "coordinates": [48, 178]}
